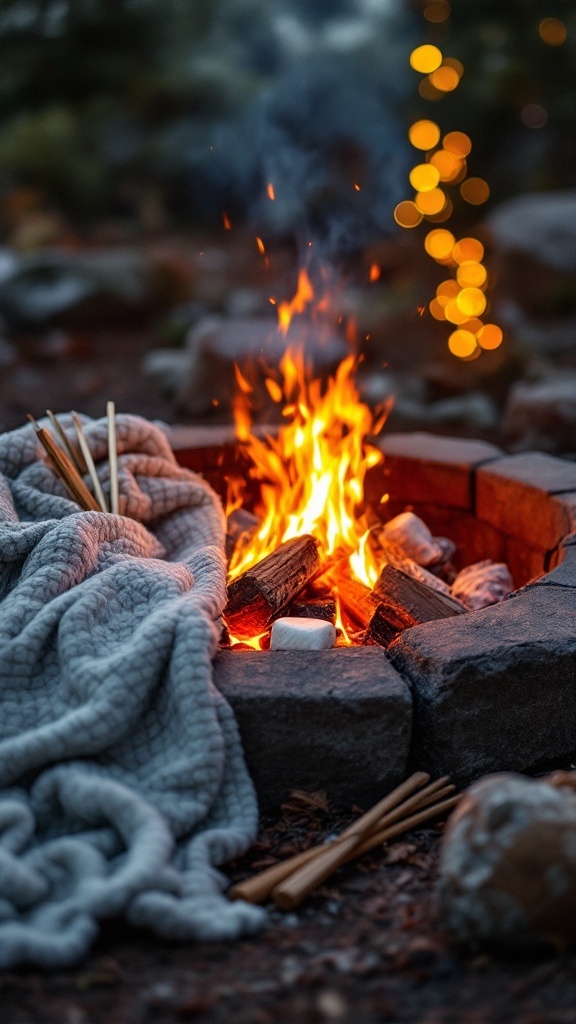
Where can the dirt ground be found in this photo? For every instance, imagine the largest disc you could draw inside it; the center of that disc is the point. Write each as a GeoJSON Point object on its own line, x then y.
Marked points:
{"type": "Point", "coordinates": [366, 949]}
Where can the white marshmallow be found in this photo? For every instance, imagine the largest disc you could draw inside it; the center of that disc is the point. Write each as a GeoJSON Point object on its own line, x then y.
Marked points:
{"type": "Point", "coordinates": [292, 634]}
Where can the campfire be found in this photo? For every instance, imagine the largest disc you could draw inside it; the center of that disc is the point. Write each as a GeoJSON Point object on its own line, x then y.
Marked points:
{"type": "Point", "coordinates": [311, 564]}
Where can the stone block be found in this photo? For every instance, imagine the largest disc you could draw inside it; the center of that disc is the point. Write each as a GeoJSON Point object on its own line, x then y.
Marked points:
{"type": "Point", "coordinates": [338, 720]}
{"type": "Point", "coordinates": [531, 496]}
{"type": "Point", "coordinates": [494, 690]}
{"type": "Point", "coordinates": [426, 468]}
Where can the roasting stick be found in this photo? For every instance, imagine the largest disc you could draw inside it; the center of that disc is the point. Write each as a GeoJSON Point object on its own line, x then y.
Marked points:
{"type": "Point", "coordinates": [96, 485]}
{"type": "Point", "coordinates": [257, 889]}
{"type": "Point", "coordinates": [65, 470]}
{"type": "Point", "coordinates": [113, 459]}
{"type": "Point", "coordinates": [73, 453]}
{"type": "Point", "coordinates": [290, 893]}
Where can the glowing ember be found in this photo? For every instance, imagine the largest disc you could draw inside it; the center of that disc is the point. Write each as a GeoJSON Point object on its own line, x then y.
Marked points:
{"type": "Point", "coordinates": [312, 473]}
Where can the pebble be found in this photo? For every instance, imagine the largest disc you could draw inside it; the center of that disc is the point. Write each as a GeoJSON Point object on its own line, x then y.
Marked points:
{"type": "Point", "coordinates": [296, 634]}
{"type": "Point", "coordinates": [482, 584]}
{"type": "Point", "coordinates": [407, 536]}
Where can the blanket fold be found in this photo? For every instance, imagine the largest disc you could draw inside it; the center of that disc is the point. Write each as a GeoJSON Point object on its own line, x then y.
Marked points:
{"type": "Point", "coordinates": [122, 779]}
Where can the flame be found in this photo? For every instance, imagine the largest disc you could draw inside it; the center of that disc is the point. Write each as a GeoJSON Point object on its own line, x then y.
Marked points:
{"type": "Point", "coordinates": [312, 474]}
{"type": "Point", "coordinates": [226, 221]}
{"type": "Point", "coordinates": [270, 191]}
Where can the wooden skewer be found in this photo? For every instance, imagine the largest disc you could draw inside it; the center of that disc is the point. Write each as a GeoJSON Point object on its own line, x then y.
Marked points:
{"type": "Point", "coordinates": [65, 470]}
{"type": "Point", "coordinates": [72, 451]}
{"type": "Point", "coordinates": [290, 893]}
{"type": "Point", "coordinates": [97, 486]}
{"type": "Point", "coordinates": [113, 459]}
{"type": "Point", "coordinates": [258, 888]}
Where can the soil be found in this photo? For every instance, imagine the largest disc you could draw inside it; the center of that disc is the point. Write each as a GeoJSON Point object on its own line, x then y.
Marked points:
{"type": "Point", "coordinates": [367, 948]}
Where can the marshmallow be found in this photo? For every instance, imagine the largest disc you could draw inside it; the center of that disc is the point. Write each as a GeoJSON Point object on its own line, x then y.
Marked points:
{"type": "Point", "coordinates": [292, 634]}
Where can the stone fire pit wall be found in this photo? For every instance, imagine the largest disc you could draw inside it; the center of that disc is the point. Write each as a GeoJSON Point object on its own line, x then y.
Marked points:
{"type": "Point", "coordinates": [491, 690]}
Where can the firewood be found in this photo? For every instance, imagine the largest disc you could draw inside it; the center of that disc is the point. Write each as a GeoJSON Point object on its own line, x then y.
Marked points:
{"type": "Point", "coordinates": [356, 600]}
{"type": "Point", "coordinates": [404, 602]}
{"type": "Point", "coordinates": [263, 592]}
{"type": "Point", "coordinates": [314, 608]}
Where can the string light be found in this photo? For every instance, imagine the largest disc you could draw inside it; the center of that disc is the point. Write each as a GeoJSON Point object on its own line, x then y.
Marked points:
{"type": "Point", "coordinates": [460, 300]}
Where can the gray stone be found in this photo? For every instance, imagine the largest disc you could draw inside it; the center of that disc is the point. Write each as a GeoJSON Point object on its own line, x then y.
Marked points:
{"type": "Point", "coordinates": [338, 720]}
{"type": "Point", "coordinates": [542, 414]}
{"type": "Point", "coordinates": [542, 225]}
{"type": "Point", "coordinates": [495, 689]}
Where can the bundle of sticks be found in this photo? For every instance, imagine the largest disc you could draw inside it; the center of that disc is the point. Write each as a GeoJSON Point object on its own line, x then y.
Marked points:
{"type": "Point", "coordinates": [72, 460]}
{"type": "Point", "coordinates": [289, 882]}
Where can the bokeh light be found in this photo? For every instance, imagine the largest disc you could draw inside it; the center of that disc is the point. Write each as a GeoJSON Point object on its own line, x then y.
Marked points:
{"type": "Point", "coordinates": [427, 91]}
{"type": "Point", "coordinates": [447, 165]}
{"type": "Point", "coordinates": [424, 134]}
{"type": "Point", "coordinates": [437, 309]}
{"type": "Point", "coordinates": [444, 214]}
{"type": "Point", "coordinates": [468, 249]}
{"type": "Point", "coordinates": [490, 336]}
{"type": "Point", "coordinates": [462, 343]}
{"type": "Point", "coordinates": [424, 177]}
{"type": "Point", "coordinates": [430, 202]}
{"type": "Point", "coordinates": [425, 58]}
{"type": "Point", "coordinates": [445, 78]}
{"type": "Point", "coordinates": [447, 290]}
{"type": "Point", "coordinates": [471, 301]}
{"type": "Point", "coordinates": [457, 143]}
{"type": "Point", "coordinates": [439, 243]}
{"type": "Point", "coordinates": [551, 31]}
{"type": "Point", "coordinates": [407, 214]}
{"type": "Point", "coordinates": [475, 191]}
{"type": "Point", "coordinates": [454, 314]}
{"type": "Point", "coordinates": [437, 11]}
{"type": "Point", "coordinates": [534, 115]}
{"type": "Point", "coordinates": [471, 275]}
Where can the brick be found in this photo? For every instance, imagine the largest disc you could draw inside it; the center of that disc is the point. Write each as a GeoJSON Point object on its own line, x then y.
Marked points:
{"type": "Point", "coordinates": [531, 496]}
{"type": "Point", "coordinates": [426, 468]}
{"type": "Point", "coordinates": [338, 720]}
{"type": "Point", "coordinates": [525, 562]}
{"type": "Point", "coordinates": [494, 690]}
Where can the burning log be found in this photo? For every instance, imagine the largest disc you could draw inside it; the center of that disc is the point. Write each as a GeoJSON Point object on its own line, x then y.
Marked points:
{"type": "Point", "coordinates": [315, 608]}
{"type": "Point", "coordinates": [403, 602]}
{"type": "Point", "coordinates": [263, 592]}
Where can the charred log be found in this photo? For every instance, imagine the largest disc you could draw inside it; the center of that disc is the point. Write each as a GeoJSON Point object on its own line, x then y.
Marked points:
{"type": "Point", "coordinates": [263, 592]}
{"type": "Point", "coordinates": [403, 602]}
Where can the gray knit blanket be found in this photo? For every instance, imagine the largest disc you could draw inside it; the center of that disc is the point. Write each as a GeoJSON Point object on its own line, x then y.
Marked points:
{"type": "Point", "coordinates": [122, 779]}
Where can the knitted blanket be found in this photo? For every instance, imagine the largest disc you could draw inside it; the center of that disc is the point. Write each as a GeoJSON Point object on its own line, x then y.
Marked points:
{"type": "Point", "coordinates": [122, 778]}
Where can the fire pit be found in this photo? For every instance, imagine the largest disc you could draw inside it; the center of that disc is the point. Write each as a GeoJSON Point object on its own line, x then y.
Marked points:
{"type": "Point", "coordinates": [490, 690]}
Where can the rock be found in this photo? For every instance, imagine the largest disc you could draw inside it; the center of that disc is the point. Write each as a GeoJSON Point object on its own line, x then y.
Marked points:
{"type": "Point", "coordinates": [542, 415]}
{"type": "Point", "coordinates": [216, 344]}
{"type": "Point", "coordinates": [407, 536]}
{"type": "Point", "coordinates": [495, 689]}
{"type": "Point", "coordinates": [482, 584]}
{"type": "Point", "coordinates": [299, 634]}
{"type": "Point", "coordinates": [338, 720]}
{"type": "Point", "coordinates": [508, 864]}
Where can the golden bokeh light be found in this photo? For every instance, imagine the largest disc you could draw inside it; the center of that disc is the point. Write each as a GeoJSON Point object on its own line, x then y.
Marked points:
{"type": "Point", "coordinates": [471, 301]}
{"type": "Point", "coordinates": [462, 343]}
{"type": "Point", "coordinates": [471, 274]}
{"type": "Point", "coordinates": [447, 165]}
{"type": "Point", "coordinates": [490, 336]}
{"type": "Point", "coordinates": [444, 214]}
{"type": "Point", "coordinates": [424, 134]}
{"type": "Point", "coordinates": [447, 290]}
{"type": "Point", "coordinates": [475, 191]}
{"type": "Point", "coordinates": [551, 31]}
{"type": "Point", "coordinates": [457, 143]}
{"type": "Point", "coordinates": [454, 314]}
{"type": "Point", "coordinates": [430, 202]}
{"type": "Point", "coordinates": [452, 62]}
{"type": "Point", "coordinates": [425, 58]}
{"type": "Point", "coordinates": [439, 243]}
{"type": "Point", "coordinates": [427, 91]}
{"type": "Point", "coordinates": [445, 78]}
{"type": "Point", "coordinates": [437, 309]}
{"type": "Point", "coordinates": [474, 325]}
{"type": "Point", "coordinates": [437, 11]}
{"type": "Point", "coordinates": [424, 177]}
{"type": "Point", "coordinates": [407, 214]}
{"type": "Point", "coordinates": [468, 249]}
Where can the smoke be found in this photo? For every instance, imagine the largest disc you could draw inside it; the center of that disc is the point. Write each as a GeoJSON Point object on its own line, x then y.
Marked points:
{"type": "Point", "coordinates": [325, 129]}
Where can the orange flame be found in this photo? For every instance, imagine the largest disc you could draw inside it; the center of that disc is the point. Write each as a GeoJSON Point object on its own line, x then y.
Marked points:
{"type": "Point", "coordinates": [304, 295]}
{"type": "Point", "coordinates": [312, 474]}
{"type": "Point", "coordinates": [270, 191]}
{"type": "Point", "coordinates": [226, 221]}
